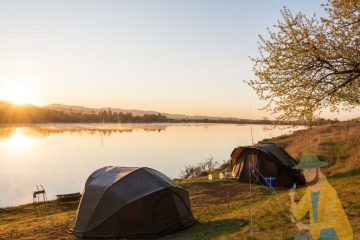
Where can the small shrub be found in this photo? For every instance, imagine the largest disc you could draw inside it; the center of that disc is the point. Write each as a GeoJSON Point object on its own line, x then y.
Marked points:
{"type": "Point", "coordinates": [226, 165]}
{"type": "Point", "coordinates": [201, 169]}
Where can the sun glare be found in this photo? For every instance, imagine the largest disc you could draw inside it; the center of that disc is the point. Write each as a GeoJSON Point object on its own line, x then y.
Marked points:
{"type": "Point", "coordinates": [20, 95]}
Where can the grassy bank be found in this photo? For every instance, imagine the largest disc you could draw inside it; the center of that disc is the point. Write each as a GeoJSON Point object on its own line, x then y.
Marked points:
{"type": "Point", "coordinates": [220, 219]}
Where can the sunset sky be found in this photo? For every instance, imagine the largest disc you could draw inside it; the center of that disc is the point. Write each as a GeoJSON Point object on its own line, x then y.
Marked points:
{"type": "Point", "coordinates": [185, 56]}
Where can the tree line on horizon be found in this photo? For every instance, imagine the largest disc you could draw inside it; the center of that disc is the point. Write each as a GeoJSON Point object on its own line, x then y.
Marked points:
{"type": "Point", "coordinates": [27, 114]}
{"type": "Point", "coordinates": [10, 114]}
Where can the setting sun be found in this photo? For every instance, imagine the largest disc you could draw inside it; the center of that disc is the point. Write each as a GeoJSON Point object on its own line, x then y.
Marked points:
{"type": "Point", "coordinates": [20, 94]}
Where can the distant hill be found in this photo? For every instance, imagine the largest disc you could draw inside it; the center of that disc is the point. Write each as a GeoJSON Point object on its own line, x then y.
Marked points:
{"type": "Point", "coordinates": [59, 113]}
{"type": "Point", "coordinates": [135, 112]}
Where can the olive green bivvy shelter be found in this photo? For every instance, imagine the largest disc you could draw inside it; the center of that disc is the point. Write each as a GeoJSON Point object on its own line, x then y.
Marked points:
{"type": "Point", "coordinates": [255, 163]}
{"type": "Point", "coordinates": [131, 203]}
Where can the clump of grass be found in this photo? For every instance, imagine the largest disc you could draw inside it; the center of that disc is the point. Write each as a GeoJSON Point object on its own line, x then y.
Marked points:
{"type": "Point", "coordinates": [338, 144]}
{"type": "Point", "coordinates": [48, 220]}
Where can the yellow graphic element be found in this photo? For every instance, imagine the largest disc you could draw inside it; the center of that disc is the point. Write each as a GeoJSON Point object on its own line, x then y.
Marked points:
{"type": "Point", "coordinates": [330, 213]}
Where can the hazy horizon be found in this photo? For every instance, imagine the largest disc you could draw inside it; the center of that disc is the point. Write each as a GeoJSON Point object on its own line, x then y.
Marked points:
{"type": "Point", "coordinates": [181, 57]}
{"type": "Point", "coordinates": [270, 117]}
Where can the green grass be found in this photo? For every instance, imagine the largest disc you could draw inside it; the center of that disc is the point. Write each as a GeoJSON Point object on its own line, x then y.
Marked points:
{"type": "Point", "coordinates": [269, 222]}
{"type": "Point", "coordinates": [210, 208]}
{"type": "Point", "coordinates": [47, 220]}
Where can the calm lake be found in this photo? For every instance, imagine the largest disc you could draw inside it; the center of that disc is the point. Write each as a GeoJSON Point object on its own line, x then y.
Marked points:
{"type": "Point", "coordinates": [61, 156]}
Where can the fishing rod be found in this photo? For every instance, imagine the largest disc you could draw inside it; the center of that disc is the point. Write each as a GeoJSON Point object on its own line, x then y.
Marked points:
{"type": "Point", "coordinates": [286, 210]}
{"type": "Point", "coordinates": [250, 180]}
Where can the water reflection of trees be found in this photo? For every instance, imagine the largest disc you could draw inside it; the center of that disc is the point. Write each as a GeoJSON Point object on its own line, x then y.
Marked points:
{"type": "Point", "coordinates": [39, 131]}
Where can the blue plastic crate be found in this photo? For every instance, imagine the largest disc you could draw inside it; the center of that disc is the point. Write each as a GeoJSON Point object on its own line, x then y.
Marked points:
{"type": "Point", "coordinates": [270, 181]}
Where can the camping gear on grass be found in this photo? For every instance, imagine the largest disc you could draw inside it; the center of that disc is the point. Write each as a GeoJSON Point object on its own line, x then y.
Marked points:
{"type": "Point", "coordinates": [68, 197]}
{"type": "Point", "coordinates": [40, 191]}
{"type": "Point", "coordinates": [255, 163]}
{"type": "Point", "coordinates": [270, 181]}
{"type": "Point", "coordinates": [131, 203]}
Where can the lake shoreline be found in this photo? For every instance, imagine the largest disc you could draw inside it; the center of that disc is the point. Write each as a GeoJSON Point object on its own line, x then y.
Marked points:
{"type": "Point", "coordinates": [51, 220]}
{"type": "Point", "coordinates": [45, 153]}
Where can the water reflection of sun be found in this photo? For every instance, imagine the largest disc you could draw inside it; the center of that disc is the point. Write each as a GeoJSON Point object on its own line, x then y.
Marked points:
{"type": "Point", "coordinates": [19, 141]}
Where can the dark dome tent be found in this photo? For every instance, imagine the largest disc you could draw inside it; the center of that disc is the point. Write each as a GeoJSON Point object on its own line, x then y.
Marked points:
{"type": "Point", "coordinates": [268, 160]}
{"type": "Point", "coordinates": [131, 203]}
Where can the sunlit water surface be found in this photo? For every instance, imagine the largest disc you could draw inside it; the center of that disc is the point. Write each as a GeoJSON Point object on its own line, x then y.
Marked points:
{"type": "Point", "coordinates": [61, 157]}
